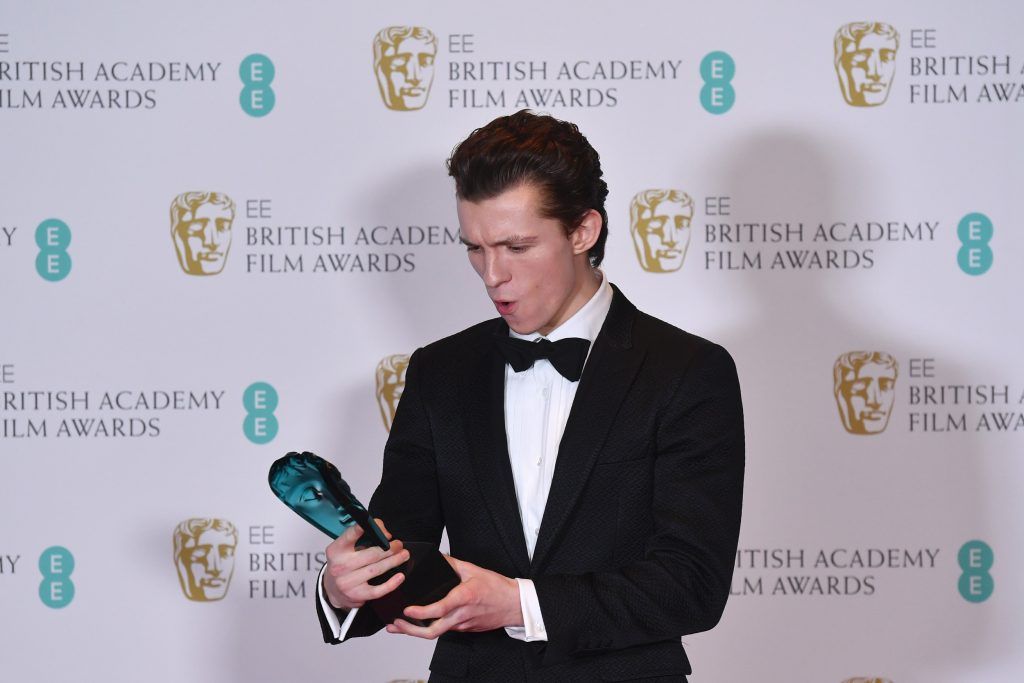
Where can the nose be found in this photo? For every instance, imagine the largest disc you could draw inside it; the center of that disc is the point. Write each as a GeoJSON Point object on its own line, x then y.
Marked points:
{"type": "Point", "coordinates": [414, 70]}
{"type": "Point", "coordinates": [874, 71]}
{"type": "Point", "coordinates": [215, 563]}
{"type": "Point", "coordinates": [494, 272]}
{"type": "Point", "coordinates": [873, 397]}
{"type": "Point", "coordinates": [671, 235]}
{"type": "Point", "coordinates": [210, 235]}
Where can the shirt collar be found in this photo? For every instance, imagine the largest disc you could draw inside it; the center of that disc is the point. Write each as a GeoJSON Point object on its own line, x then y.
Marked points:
{"type": "Point", "coordinates": [584, 323]}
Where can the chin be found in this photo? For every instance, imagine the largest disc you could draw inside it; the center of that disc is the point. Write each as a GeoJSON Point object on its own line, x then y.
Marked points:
{"type": "Point", "coordinates": [524, 328]}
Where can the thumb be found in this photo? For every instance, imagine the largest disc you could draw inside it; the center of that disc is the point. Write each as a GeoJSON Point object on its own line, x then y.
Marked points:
{"type": "Point", "coordinates": [463, 569]}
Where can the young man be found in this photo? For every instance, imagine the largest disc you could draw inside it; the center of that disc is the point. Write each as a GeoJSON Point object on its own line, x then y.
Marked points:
{"type": "Point", "coordinates": [590, 482]}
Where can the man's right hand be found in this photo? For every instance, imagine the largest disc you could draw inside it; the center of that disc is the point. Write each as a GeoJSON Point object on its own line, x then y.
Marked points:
{"type": "Point", "coordinates": [349, 569]}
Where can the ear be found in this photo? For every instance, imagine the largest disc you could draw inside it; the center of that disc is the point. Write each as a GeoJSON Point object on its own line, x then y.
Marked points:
{"type": "Point", "coordinates": [586, 234]}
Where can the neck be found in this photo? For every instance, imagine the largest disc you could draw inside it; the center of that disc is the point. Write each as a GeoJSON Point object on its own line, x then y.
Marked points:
{"type": "Point", "coordinates": [587, 281]}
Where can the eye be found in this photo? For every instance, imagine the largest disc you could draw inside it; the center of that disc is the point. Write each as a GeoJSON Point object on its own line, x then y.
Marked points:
{"type": "Point", "coordinates": [311, 495]}
{"type": "Point", "coordinates": [518, 248]}
{"type": "Point", "coordinates": [426, 60]}
{"type": "Point", "coordinates": [223, 224]}
{"type": "Point", "coordinates": [399, 62]}
{"type": "Point", "coordinates": [472, 248]}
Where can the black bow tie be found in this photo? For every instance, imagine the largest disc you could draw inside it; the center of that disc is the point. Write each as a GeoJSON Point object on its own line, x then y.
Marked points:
{"type": "Point", "coordinates": [566, 355]}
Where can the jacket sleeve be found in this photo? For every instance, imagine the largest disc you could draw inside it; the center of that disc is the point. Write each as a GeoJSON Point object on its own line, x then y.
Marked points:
{"type": "Point", "coordinates": [407, 497]}
{"type": "Point", "coordinates": [681, 584]}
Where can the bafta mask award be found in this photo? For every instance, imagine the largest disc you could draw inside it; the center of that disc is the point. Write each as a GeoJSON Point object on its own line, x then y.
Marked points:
{"type": "Point", "coordinates": [314, 489]}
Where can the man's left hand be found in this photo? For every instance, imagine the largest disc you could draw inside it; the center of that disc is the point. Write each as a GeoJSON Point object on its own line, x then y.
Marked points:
{"type": "Point", "coordinates": [483, 601]}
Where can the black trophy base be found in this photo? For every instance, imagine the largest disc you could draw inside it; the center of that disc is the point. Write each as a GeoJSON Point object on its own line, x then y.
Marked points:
{"type": "Point", "coordinates": [428, 578]}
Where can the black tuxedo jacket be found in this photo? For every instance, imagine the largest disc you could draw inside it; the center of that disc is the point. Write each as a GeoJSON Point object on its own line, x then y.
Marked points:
{"type": "Point", "coordinates": [638, 538]}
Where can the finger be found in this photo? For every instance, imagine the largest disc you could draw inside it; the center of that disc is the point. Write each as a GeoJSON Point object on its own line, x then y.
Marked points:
{"type": "Point", "coordinates": [353, 533]}
{"type": "Point", "coordinates": [355, 595]}
{"type": "Point", "coordinates": [348, 538]}
{"type": "Point", "coordinates": [368, 593]}
{"type": "Point", "coordinates": [380, 523]}
{"type": "Point", "coordinates": [345, 541]}
{"type": "Point", "coordinates": [336, 597]}
{"type": "Point", "coordinates": [459, 566]}
{"type": "Point", "coordinates": [341, 602]}
{"type": "Point", "coordinates": [363, 565]}
{"type": "Point", "coordinates": [435, 610]}
{"type": "Point", "coordinates": [351, 561]}
{"type": "Point", "coordinates": [428, 632]}
{"type": "Point", "coordinates": [389, 562]}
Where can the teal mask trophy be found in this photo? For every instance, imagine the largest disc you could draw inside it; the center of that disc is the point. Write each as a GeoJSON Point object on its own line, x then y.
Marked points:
{"type": "Point", "coordinates": [314, 489]}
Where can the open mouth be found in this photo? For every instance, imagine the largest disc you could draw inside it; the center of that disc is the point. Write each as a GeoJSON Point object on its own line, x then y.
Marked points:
{"type": "Point", "coordinates": [505, 307]}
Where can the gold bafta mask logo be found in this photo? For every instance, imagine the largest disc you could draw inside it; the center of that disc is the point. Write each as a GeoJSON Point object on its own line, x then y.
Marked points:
{"type": "Point", "coordinates": [390, 384]}
{"type": "Point", "coordinates": [865, 60]}
{"type": "Point", "coordinates": [403, 60]}
{"type": "Point", "coordinates": [659, 222]}
{"type": "Point", "coordinates": [865, 387]}
{"type": "Point", "coordinates": [204, 555]}
{"type": "Point", "coordinates": [201, 230]}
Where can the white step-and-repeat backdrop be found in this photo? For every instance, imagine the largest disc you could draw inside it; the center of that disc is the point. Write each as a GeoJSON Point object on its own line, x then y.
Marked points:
{"type": "Point", "coordinates": [224, 226]}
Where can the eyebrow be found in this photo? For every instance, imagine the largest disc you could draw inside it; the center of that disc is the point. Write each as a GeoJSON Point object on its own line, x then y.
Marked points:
{"type": "Point", "coordinates": [508, 241]}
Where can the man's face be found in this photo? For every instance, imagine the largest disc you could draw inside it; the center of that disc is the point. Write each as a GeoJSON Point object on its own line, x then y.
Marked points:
{"type": "Point", "coordinates": [526, 261]}
{"type": "Point", "coordinates": [209, 563]}
{"type": "Point", "coordinates": [307, 496]}
{"type": "Point", "coordinates": [869, 65]}
{"type": "Point", "coordinates": [409, 71]}
{"type": "Point", "coordinates": [203, 237]}
{"type": "Point", "coordinates": [661, 236]}
{"type": "Point", "coordinates": [868, 397]}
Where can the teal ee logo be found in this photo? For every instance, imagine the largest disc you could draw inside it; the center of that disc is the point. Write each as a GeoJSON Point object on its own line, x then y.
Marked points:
{"type": "Point", "coordinates": [260, 401]}
{"type": "Point", "coordinates": [717, 70]}
{"type": "Point", "coordinates": [976, 584]}
{"type": "Point", "coordinates": [53, 237]}
{"type": "Point", "coordinates": [257, 97]}
{"type": "Point", "coordinates": [974, 232]}
{"type": "Point", "coordinates": [56, 589]}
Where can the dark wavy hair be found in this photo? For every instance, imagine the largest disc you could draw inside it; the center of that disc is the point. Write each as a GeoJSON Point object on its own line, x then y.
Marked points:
{"type": "Point", "coordinates": [549, 154]}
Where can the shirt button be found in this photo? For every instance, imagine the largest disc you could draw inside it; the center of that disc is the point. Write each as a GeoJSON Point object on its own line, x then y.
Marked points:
{"type": "Point", "coordinates": [538, 462]}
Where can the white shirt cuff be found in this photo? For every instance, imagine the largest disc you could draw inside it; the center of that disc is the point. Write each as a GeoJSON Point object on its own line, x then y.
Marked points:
{"type": "Point", "coordinates": [338, 627]}
{"type": "Point", "coordinates": [533, 621]}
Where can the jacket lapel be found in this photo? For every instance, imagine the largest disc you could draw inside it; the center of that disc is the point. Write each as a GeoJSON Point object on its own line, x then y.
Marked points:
{"type": "Point", "coordinates": [606, 379]}
{"type": "Point", "coordinates": [485, 427]}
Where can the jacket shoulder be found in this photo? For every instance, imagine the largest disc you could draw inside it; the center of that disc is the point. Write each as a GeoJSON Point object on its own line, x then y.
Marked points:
{"type": "Point", "coordinates": [461, 346]}
{"type": "Point", "coordinates": [664, 339]}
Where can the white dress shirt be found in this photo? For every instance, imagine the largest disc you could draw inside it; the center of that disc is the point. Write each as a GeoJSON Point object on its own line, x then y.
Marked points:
{"type": "Point", "coordinates": [537, 405]}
